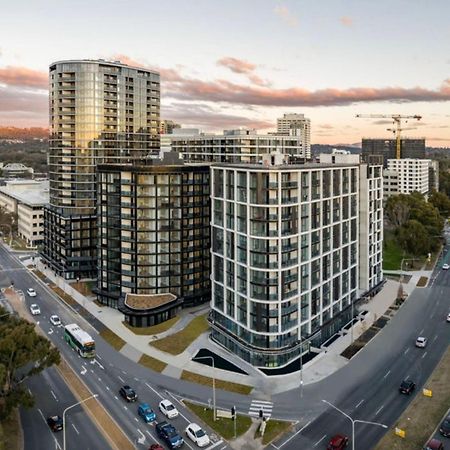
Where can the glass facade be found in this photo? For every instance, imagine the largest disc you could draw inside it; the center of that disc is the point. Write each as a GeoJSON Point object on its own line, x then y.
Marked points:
{"type": "Point", "coordinates": [154, 232]}
{"type": "Point", "coordinates": [100, 112]}
{"type": "Point", "coordinates": [284, 257]}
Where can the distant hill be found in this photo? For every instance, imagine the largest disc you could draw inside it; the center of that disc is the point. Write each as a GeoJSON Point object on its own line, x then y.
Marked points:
{"type": "Point", "coordinates": [23, 133]}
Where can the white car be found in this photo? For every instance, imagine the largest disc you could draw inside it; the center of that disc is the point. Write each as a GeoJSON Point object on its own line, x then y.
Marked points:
{"type": "Point", "coordinates": [446, 267]}
{"type": "Point", "coordinates": [197, 435]}
{"type": "Point", "coordinates": [35, 310]}
{"type": "Point", "coordinates": [448, 317]}
{"type": "Point", "coordinates": [55, 320]}
{"type": "Point", "coordinates": [421, 342]}
{"type": "Point", "coordinates": [31, 292]}
{"type": "Point", "coordinates": [167, 408]}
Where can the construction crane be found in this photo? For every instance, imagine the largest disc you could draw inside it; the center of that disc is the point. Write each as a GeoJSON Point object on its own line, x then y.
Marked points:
{"type": "Point", "coordinates": [397, 118]}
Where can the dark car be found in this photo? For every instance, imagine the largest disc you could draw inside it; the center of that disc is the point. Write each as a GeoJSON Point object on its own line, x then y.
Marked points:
{"type": "Point", "coordinates": [434, 444]}
{"type": "Point", "coordinates": [445, 427]}
{"type": "Point", "coordinates": [169, 435]}
{"type": "Point", "coordinates": [407, 387]}
{"type": "Point", "coordinates": [338, 442]}
{"type": "Point", "coordinates": [156, 447]}
{"type": "Point", "coordinates": [55, 423]}
{"type": "Point", "coordinates": [128, 393]}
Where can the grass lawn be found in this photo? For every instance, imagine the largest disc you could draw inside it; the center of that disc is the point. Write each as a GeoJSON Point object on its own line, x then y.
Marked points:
{"type": "Point", "coordinates": [156, 329]}
{"type": "Point", "coordinates": [422, 282]}
{"type": "Point", "coordinates": [220, 384]}
{"type": "Point", "coordinates": [274, 428]}
{"type": "Point", "coordinates": [423, 414]}
{"type": "Point", "coordinates": [177, 343]}
{"type": "Point", "coordinates": [152, 363]}
{"type": "Point", "coordinates": [112, 338]}
{"type": "Point", "coordinates": [9, 432]}
{"type": "Point", "coordinates": [224, 427]}
{"type": "Point", "coordinates": [392, 253]}
{"type": "Point", "coordinates": [84, 287]}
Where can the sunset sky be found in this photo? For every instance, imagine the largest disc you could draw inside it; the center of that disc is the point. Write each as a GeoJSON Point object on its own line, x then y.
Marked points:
{"type": "Point", "coordinates": [230, 63]}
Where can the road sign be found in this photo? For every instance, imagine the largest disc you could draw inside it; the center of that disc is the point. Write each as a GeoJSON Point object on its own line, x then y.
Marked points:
{"type": "Point", "coordinates": [427, 392]}
{"type": "Point", "coordinates": [400, 432]}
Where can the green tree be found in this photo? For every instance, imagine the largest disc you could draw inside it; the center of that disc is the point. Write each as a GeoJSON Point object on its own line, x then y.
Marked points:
{"type": "Point", "coordinates": [397, 210]}
{"type": "Point", "coordinates": [23, 353]}
{"type": "Point", "coordinates": [440, 201]}
{"type": "Point", "coordinates": [414, 238]}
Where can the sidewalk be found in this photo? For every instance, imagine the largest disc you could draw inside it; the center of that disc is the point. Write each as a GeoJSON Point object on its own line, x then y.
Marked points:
{"type": "Point", "coordinates": [323, 365]}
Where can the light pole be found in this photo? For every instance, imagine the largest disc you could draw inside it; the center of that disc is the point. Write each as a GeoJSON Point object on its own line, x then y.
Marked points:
{"type": "Point", "coordinates": [400, 287]}
{"type": "Point", "coordinates": [64, 416]}
{"type": "Point", "coordinates": [301, 365]}
{"type": "Point", "coordinates": [353, 421]}
{"type": "Point", "coordinates": [213, 383]}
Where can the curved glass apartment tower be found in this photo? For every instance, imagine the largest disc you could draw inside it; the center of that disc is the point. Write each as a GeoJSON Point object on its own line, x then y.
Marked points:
{"type": "Point", "coordinates": [100, 112]}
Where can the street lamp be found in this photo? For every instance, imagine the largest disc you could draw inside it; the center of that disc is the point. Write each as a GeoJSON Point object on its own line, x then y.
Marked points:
{"type": "Point", "coordinates": [213, 384]}
{"type": "Point", "coordinates": [64, 415]}
{"type": "Point", "coordinates": [400, 287]}
{"type": "Point", "coordinates": [353, 421]}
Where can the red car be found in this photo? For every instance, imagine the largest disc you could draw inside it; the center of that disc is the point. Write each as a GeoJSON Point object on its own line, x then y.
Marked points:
{"type": "Point", "coordinates": [156, 447]}
{"type": "Point", "coordinates": [434, 444]}
{"type": "Point", "coordinates": [338, 442]}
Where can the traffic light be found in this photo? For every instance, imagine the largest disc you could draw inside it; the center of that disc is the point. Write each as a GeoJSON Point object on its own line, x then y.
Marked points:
{"type": "Point", "coordinates": [233, 412]}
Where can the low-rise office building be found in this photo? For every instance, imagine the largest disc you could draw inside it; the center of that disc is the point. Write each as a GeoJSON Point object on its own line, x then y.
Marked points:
{"type": "Point", "coordinates": [287, 248]}
{"type": "Point", "coordinates": [153, 238]}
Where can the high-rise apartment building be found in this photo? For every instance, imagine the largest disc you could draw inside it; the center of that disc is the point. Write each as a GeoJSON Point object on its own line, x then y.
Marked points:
{"type": "Point", "coordinates": [240, 145]}
{"type": "Point", "coordinates": [412, 148]}
{"type": "Point", "coordinates": [167, 126]}
{"type": "Point", "coordinates": [296, 125]}
{"type": "Point", "coordinates": [153, 236]}
{"type": "Point", "coordinates": [100, 112]}
{"type": "Point", "coordinates": [287, 249]}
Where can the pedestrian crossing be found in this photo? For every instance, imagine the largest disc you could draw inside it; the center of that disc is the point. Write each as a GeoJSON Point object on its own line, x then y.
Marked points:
{"type": "Point", "coordinates": [257, 406]}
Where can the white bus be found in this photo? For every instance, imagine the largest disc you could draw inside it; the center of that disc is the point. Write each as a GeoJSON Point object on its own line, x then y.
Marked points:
{"type": "Point", "coordinates": [79, 340]}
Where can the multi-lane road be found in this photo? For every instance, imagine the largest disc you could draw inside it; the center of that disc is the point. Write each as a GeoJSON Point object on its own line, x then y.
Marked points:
{"type": "Point", "coordinates": [365, 389]}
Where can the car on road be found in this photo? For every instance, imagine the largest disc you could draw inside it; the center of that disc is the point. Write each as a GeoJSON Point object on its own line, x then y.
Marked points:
{"type": "Point", "coordinates": [444, 429]}
{"type": "Point", "coordinates": [128, 393]}
{"type": "Point", "coordinates": [407, 387]}
{"type": "Point", "coordinates": [446, 267]}
{"type": "Point", "coordinates": [448, 317]}
{"type": "Point", "coordinates": [34, 309]}
{"type": "Point", "coordinates": [434, 444]}
{"type": "Point", "coordinates": [167, 408]}
{"type": "Point", "coordinates": [156, 447]}
{"type": "Point", "coordinates": [31, 292]}
{"type": "Point", "coordinates": [55, 423]}
{"type": "Point", "coordinates": [338, 442]}
{"type": "Point", "coordinates": [55, 320]}
{"type": "Point", "coordinates": [169, 435]}
{"type": "Point", "coordinates": [195, 433]}
{"type": "Point", "coordinates": [421, 342]}
{"type": "Point", "coordinates": [146, 412]}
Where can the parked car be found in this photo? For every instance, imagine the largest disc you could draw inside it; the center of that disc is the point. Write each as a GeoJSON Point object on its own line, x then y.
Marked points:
{"type": "Point", "coordinates": [434, 444]}
{"type": "Point", "coordinates": [448, 317]}
{"type": "Point", "coordinates": [407, 387]}
{"type": "Point", "coordinates": [197, 435]}
{"type": "Point", "coordinates": [338, 442]}
{"type": "Point", "coordinates": [444, 429]}
{"type": "Point", "coordinates": [55, 320]}
{"type": "Point", "coordinates": [421, 342]}
{"type": "Point", "coordinates": [446, 267]}
{"type": "Point", "coordinates": [34, 309]}
{"type": "Point", "coordinates": [146, 412]}
{"type": "Point", "coordinates": [156, 447]}
{"type": "Point", "coordinates": [55, 423]}
{"type": "Point", "coordinates": [31, 292]}
{"type": "Point", "coordinates": [128, 393]}
{"type": "Point", "coordinates": [169, 435]}
{"type": "Point", "coordinates": [167, 408]}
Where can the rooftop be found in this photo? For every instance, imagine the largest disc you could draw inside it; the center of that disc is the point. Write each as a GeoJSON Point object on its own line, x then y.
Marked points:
{"type": "Point", "coordinates": [148, 301]}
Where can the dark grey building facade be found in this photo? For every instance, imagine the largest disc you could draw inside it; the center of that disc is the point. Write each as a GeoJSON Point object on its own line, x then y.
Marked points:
{"type": "Point", "coordinates": [387, 148]}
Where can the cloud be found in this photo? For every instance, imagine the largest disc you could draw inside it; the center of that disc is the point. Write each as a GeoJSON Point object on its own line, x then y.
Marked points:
{"type": "Point", "coordinates": [325, 126]}
{"type": "Point", "coordinates": [346, 21]}
{"type": "Point", "coordinates": [236, 65]}
{"type": "Point", "coordinates": [22, 76]}
{"type": "Point", "coordinates": [205, 117]}
{"type": "Point", "coordinates": [283, 12]}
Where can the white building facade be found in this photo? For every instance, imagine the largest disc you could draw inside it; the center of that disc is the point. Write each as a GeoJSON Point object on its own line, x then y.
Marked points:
{"type": "Point", "coordinates": [286, 255]}
{"type": "Point", "coordinates": [296, 124]}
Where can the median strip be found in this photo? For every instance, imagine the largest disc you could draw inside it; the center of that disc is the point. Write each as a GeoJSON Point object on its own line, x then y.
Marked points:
{"type": "Point", "coordinates": [220, 384]}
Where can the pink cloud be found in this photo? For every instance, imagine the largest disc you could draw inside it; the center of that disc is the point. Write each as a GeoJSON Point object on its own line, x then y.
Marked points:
{"type": "Point", "coordinates": [236, 65]}
{"type": "Point", "coordinates": [346, 21]}
{"type": "Point", "coordinates": [283, 12]}
{"type": "Point", "coordinates": [22, 76]}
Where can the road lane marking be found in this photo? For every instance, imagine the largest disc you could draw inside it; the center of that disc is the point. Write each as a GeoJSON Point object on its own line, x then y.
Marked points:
{"type": "Point", "coordinates": [406, 351]}
{"type": "Point", "coordinates": [116, 397]}
{"type": "Point", "coordinates": [121, 379]}
{"type": "Point", "coordinates": [421, 331]}
{"type": "Point", "coordinates": [387, 374]}
{"type": "Point", "coordinates": [432, 315]}
{"type": "Point", "coordinates": [319, 441]}
{"type": "Point", "coordinates": [359, 404]}
{"type": "Point", "coordinates": [214, 445]}
{"type": "Point", "coordinates": [156, 392]}
{"type": "Point", "coordinates": [425, 354]}
{"type": "Point", "coordinates": [293, 436]}
{"type": "Point", "coordinates": [125, 408]}
{"type": "Point", "coordinates": [99, 357]}
{"type": "Point", "coordinates": [379, 410]}
{"type": "Point", "coordinates": [75, 428]}
{"type": "Point", "coordinates": [107, 388]}
{"type": "Point", "coordinates": [435, 338]}
{"type": "Point", "coordinates": [184, 417]}
{"type": "Point", "coordinates": [54, 396]}
{"type": "Point", "coordinates": [42, 415]}
{"type": "Point", "coordinates": [136, 419]}
{"type": "Point", "coordinates": [29, 391]}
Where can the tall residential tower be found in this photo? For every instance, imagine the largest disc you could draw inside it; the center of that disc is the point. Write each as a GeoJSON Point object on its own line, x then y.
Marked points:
{"type": "Point", "coordinates": [100, 112]}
